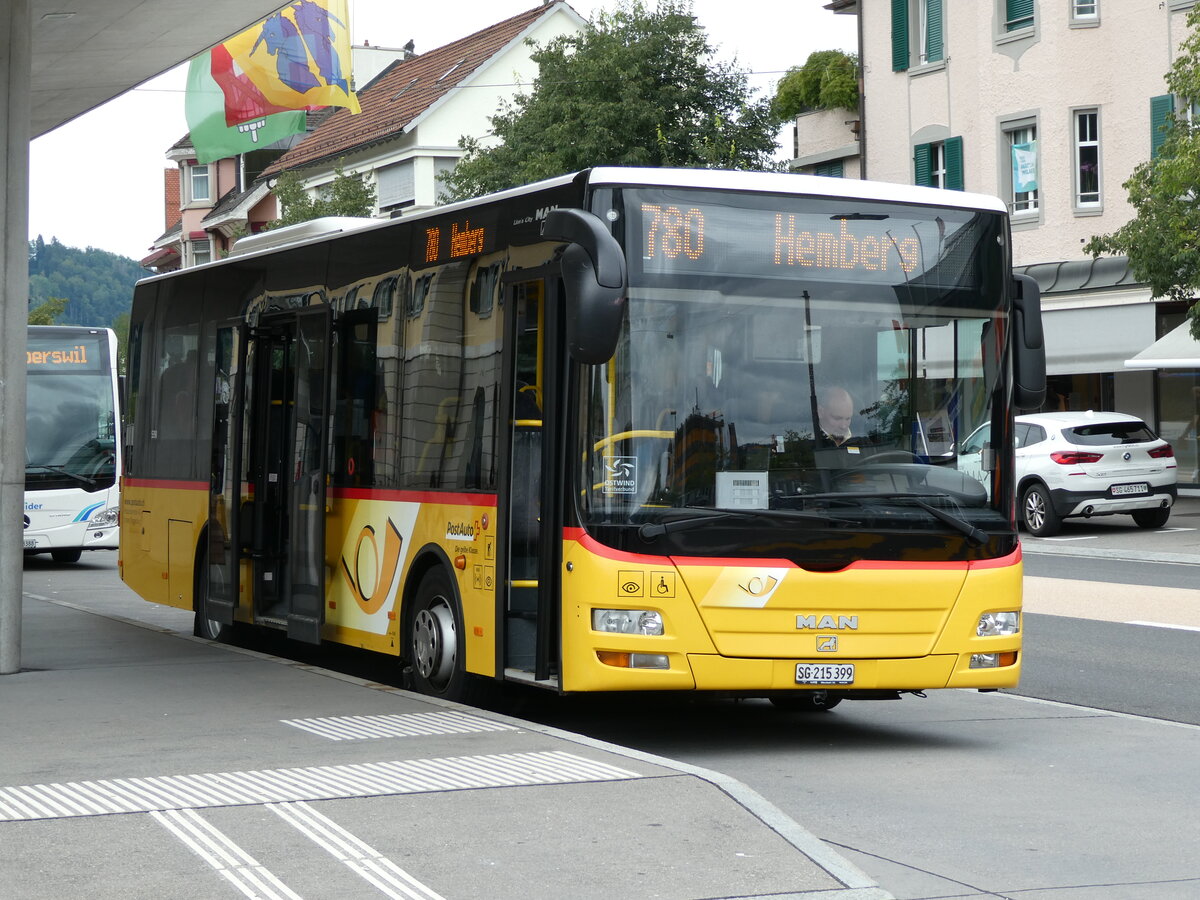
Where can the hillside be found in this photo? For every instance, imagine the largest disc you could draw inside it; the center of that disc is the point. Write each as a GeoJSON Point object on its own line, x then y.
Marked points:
{"type": "Point", "coordinates": [98, 285]}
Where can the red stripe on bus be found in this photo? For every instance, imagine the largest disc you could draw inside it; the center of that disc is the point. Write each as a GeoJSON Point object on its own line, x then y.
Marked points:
{"type": "Point", "coordinates": [452, 499]}
{"type": "Point", "coordinates": [592, 545]}
{"type": "Point", "coordinates": [165, 483]}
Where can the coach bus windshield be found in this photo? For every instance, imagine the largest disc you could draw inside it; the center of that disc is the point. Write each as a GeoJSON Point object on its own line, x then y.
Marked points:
{"type": "Point", "coordinates": [814, 361]}
{"type": "Point", "coordinates": [70, 419]}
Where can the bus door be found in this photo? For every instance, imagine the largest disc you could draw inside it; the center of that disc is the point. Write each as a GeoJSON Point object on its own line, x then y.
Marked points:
{"type": "Point", "coordinates": [223, 562]}
{"type": "Point", "coordinates": [530, 506]}
{"type": "Point", "coordinates": [287, 413]}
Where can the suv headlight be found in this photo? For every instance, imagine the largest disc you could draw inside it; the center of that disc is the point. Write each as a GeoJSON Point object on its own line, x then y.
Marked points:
{"type": "Point", "coordinates": [994, 624]}
{"type": "Point", "coordinates": [627, 621]}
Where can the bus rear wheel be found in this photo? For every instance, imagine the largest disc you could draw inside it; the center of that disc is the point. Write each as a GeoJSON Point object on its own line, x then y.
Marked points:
{"type": "Point", "coordinates": [204, 626]}
{"type": "Point", "coordinates": [435, 646]}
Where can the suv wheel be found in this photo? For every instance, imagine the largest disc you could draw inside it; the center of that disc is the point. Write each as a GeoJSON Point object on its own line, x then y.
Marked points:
{"type": "Point", "coordinates": [1038, 512]}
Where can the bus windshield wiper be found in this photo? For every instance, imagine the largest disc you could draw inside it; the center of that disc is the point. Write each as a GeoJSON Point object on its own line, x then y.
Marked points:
{"type": "Point", "coordinates": [656, 529]}
{"type": "Point", "coordinates": [974, 535]}
{"type": "Point", "coordinates": [62, 470]}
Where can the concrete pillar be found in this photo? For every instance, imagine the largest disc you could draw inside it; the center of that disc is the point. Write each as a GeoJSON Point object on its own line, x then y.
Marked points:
{"type": "Point", "coordinates": [15, 62]}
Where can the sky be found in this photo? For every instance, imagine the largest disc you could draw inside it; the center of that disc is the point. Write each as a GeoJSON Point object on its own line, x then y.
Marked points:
{"type": "Point", "coordinates": [126, 140]}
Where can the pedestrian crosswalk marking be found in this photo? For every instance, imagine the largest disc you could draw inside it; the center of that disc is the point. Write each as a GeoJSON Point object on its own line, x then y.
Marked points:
{"type": "Point", "coordinates": [128, 795]}
{"type": "Point", "coordinates": [359, 728]}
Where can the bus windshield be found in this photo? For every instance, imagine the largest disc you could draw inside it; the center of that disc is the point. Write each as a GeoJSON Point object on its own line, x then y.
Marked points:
{"type": "Point", "coordinates": [798, 354]}
{"type": "Point", "coordinates": [70, 426]}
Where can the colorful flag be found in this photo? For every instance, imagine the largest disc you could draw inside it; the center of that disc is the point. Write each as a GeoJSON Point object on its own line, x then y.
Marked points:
{"type": "Point", "coordinates": [204, 106]}
{"type": "Point", "coordinates": [300, 56]}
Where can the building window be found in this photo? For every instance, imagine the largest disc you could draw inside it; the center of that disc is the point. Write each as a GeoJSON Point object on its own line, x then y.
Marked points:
{"type": "Point", "coordinates": [1018, 14]}
{"type": "Point", "coordinates": [201, 252]}
{"type": "Point", "coordinates": [1087, 158]}
{"type": "Point", "coordinates": [1085, 10]}
{"type": "Point", "coordinates": [1022, 168]}
{"type": "Point", "coordinates": [916, 33]}
{"type": "Point", "coordinates": [833, 169]}
{"type": "Point", "coordinates": [199, 190]}
{"type": "Point", "coordinates": [939, 164]}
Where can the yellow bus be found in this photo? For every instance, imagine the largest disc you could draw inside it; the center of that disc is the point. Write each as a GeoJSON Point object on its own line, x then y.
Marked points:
{"type": "Point", "coordinates": [569, 435]}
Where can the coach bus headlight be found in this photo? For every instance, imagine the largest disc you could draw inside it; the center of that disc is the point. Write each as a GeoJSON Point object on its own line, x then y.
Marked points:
{"type": "Point", "coordinates": [995, 624]}
{"type": "Point", "coordinates": [992, 660]}
{"type": "Point", "coordinates": [105, 517]}
{"type": "Point", "coordinates": [633, 660]}
{"type": "Point", "coordinates": [627, 621]}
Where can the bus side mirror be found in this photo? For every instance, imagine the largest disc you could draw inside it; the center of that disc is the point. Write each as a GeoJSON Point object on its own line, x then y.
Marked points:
{"type": "Point", "coordinates": [593, 272]}
{"type": "Point", "coordinates": [1029, 345]}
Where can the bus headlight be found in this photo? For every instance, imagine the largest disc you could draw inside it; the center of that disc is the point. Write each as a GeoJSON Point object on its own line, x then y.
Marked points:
{"type": "Point", "coordinates": [627, 621]}
{"type": "Point", "coordinates": [995, 624]}
{"type": "Point", "coordinates": [105, 517]}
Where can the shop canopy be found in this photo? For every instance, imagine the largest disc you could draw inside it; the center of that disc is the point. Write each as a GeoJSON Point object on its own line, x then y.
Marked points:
{"type": "Point", "coordinates": [1176, 349]}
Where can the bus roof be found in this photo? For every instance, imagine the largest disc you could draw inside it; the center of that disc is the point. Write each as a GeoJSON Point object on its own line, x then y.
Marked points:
{"type": "Point", "coordinates": [789, 183]}
{"type": "Point", "coordinates": [704, 179]}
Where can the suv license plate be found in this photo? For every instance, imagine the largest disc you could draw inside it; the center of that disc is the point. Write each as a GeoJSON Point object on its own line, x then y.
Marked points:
{"type": "Point", "coordinates": [1139, 488]}
{"type": "Point", "coordinates": [824, 673]}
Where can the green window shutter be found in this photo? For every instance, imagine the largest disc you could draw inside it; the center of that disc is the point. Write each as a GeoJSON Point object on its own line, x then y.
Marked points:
{"type": "Point", "coordinates": [954, 163]}
{"type": "Point", "coordinates": [1160, 111]}
{"type": "Point", "coordinates": [900, 41]}
{"type": "Point", "coordinates": [1018, 14]}
{"type": "Point", "coordinates": [830, 169]}
{"type": "Point", "coordinates": [923, 165]}
{"type": "Point", "coordinates": [933, 31]}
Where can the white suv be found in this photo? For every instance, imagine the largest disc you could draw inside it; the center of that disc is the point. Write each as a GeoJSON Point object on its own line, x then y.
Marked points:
{"type": "Point", "coordinates": [1087, 464]}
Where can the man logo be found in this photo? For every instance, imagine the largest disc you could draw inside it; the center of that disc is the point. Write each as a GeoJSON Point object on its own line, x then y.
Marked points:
{"type": "Point", "coordinates": [841, 623]}
{"type": "Point", "coordinates": [827, 643]}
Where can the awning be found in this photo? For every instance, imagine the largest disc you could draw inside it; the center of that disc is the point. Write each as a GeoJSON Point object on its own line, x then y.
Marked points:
{"type": "Point", "coordinates": [1095, 339]}
{"type": "Point", "coordinates": [1176, 349]}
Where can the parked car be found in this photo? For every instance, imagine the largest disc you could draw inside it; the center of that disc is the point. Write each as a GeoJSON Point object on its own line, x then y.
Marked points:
{"type": "Point", "coordinates": [1085, 464]}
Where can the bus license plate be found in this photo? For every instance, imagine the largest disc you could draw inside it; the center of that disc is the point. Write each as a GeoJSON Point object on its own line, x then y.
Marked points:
{"type": "Point", "coordinates": [824, 673]}
{"type": "Point", "coordinates": [1138, 488]}
{"type": "Point", "coordinates": [30, 543]}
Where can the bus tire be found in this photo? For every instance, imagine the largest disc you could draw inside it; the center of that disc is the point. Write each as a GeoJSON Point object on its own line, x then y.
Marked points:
{"type": "Point", "coordinates": [435, 646]}
{"type": "Point", "coordinates": [203, 626]}
{"type": "Point", "coordinates": [806, 701]}
{"type": "Point", "coordinates": [66, 555]}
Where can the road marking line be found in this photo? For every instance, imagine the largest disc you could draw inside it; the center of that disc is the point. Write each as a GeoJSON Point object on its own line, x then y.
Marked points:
{"type": "Point", "coordinates": [1166, 625]}
{"type": "Point", "coordinates": [1063, 540]}
{"type": "Point", "coordinates": [359, 728]}
{"type": "Point", "coordinates": [125, 795]}
{"type": "Point", "coordinates": [357, 855]}
{"type": "Point", "coordinates": [229, 860]}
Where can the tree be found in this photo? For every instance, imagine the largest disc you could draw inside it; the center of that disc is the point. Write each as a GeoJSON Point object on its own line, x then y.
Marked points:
{"type": "Point", "coordinates": [827, 80]}
{"type": "Point", "coordinates": [47, 313]}
{"type": "Point", "coordinates": [1162, 240]}
{"type": "Point", "coordinates": [637, 87]}
{"type": "Point", "coordinates": [347, 195]}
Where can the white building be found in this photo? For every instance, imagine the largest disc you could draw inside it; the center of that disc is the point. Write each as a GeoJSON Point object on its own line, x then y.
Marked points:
{"type": "Point", "coordinates": [1050, 105]}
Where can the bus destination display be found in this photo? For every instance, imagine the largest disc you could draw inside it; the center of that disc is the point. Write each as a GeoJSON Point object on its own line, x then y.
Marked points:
{"type": "Point", "coordinates": [722, 239]}
{"type": "Point", "coordinates": [57, 356]}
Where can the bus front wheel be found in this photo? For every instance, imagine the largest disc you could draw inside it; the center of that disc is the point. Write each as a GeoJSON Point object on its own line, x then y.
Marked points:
{"type": "Point", "coordinates": [435, 642]}
{"type": "Point", "coordinates": [66, 555]}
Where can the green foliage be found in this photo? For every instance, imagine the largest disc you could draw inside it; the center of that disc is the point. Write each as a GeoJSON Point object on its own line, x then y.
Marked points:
{"type": "Point", "coordinates": [638, 87]}
{"type": "Point", "coordinates": [47, 313]}
{"type": "Point", "coordinates": [827, 80]}
{"type": "Point", "coordinates": [94, 286]}
{"type": "Point", "coordinates": [347, 195]}
{"type": "Point", "coordinates": [1162, 240]}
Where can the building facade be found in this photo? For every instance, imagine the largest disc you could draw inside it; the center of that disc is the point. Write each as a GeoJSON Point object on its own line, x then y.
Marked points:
{"type": "Point", "coordinates": [1049, 105]}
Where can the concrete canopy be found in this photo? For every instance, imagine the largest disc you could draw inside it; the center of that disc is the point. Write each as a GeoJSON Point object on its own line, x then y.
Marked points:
{"type": "Point", "coordinates": [86, 52]}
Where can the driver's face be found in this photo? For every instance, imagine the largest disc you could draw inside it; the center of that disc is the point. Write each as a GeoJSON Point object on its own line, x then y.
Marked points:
{"type": "Point", "coordinates": [836, 414]}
